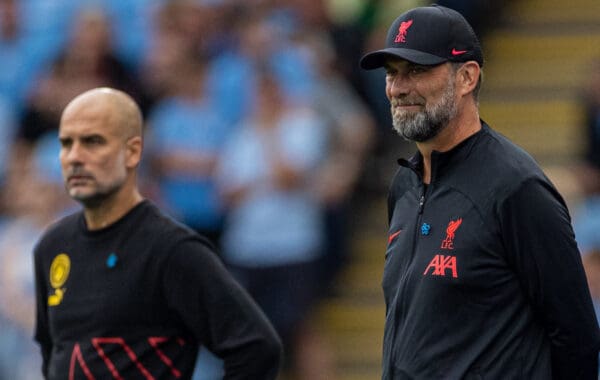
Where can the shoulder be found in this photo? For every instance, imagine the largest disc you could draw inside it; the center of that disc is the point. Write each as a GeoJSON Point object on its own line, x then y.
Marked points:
{"type": "Point", "coordinates": [502, 150]}
{"type": "Point", "coordinates": [154, 222]}
{"type": "Point", "coordinates": [489, 169]}
{"type": "Point", "coordinates": [165, 232]}
{"type": "Point", "coordinates": [61, 230]}
{"type": "Point", "coordinates": [504, 165]}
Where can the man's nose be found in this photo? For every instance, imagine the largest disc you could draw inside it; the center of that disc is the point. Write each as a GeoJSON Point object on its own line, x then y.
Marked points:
{"type": "Point", "coordinates": [398, 85]}
{"type": "Point", "coordinates": [73, 154]}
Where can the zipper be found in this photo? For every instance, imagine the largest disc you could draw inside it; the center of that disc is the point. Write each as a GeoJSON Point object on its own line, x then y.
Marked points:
{"type": "Point", "coordinates": [398, 299]}
{"type": "Point", "coordinates": [416, 239]}
{"type": "Point", "coordinates": [398, 303]}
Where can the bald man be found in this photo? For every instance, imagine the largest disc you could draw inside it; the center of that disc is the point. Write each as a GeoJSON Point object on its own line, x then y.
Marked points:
{"type": "Point", "coordinates": [123, 291]}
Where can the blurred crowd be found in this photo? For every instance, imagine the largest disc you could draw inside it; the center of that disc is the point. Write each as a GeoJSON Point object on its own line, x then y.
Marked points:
{"type": "Point", "coordinates": [259, 129]}
{"type": "Point", "coordinates": [256, 135]}
{"type": "Point", "coordinates": [587, 214]}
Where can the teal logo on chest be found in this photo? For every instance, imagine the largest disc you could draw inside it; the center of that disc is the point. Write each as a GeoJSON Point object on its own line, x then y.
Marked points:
{"type": "Point", "coordinates": [111, 260]}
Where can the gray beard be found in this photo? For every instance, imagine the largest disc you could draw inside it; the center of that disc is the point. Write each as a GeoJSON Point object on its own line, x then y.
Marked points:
{"type": "Point", "coordinates": [97, 199]}
{"type": "Point", "coordinates": [425, 125]}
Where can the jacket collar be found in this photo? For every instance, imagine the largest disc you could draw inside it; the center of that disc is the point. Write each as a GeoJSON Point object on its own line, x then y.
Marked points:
{"type": "Point", "coordinates": [441, 160]}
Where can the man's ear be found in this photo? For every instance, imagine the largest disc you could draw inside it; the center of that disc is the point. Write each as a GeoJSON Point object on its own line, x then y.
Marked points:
{"type": "Point", "coordinates": [134, 151]}
{"type": "Point", "coordinates": [467, 77]}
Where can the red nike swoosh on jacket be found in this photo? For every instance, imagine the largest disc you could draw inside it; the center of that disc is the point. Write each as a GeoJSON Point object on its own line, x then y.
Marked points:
{"type": "Point", "coordinates": [392, 236]}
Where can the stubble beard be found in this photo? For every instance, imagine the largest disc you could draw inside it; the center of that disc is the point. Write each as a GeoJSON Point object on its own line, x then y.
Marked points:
{"type": "Point", "coordinates": [426, 124]}
{"type": "Point", "coordinates": [98, 196]}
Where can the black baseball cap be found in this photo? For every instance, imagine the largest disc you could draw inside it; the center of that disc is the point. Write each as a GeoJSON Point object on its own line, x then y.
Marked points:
{"type": "Point", "coordinates": [428, 36]}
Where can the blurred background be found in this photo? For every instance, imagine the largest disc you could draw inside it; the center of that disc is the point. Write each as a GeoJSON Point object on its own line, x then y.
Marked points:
{"type": "Point", "coordinates": [262, 132]}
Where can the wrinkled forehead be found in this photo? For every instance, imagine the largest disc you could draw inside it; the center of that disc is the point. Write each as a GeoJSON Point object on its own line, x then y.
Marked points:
{"type": "Point", "coordinates": [91, 117]}
{"type": "Point", "coordinates": [105, 111]}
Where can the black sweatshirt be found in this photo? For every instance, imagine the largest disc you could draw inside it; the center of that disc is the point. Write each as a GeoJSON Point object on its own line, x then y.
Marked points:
{"type": "Point", "coordinates": [136, 299]}
{"type": "Point", "coordinates": [482, 277]}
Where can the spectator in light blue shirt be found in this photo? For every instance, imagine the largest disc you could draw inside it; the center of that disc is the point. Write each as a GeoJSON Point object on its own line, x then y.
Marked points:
{"type": "Point", "coordinates": [274, 236]}
{"type": "Point", "coordinates": [185, 138]}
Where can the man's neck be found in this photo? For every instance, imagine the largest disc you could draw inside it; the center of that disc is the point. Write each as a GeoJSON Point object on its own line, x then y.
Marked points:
{"type": "Point", "coordinates": [111, 210]}
{"type": "Point", "coordinates": [458, 130]}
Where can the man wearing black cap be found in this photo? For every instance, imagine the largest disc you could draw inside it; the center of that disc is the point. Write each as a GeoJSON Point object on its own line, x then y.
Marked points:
{"type": "Point", "coordinates": [482, 276]}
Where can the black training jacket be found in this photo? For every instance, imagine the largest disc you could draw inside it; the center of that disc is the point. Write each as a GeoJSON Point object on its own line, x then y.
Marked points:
{"type": "Point", "coordinates": [483, 278]}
